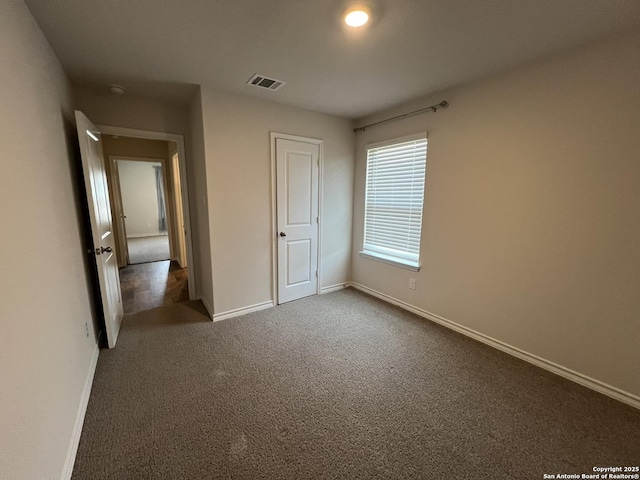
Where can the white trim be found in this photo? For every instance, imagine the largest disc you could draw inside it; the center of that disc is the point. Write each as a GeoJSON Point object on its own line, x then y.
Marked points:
{"type": "Point", "coordinates": [274, 221]}
{"type": "Point", "coordinates": [379, 257]}
{"type": "Point", "coordinates": [320, 144]}
{"type": "Point", "coordinates": [333, 288]}
{"type": "Point", "coordinates": [179, 140]}
{"type": "Point", "coordinates": [206, 305]}
{"type": "Point", "coordinates": [82, 410]}
{"type": "Point", "coordinates": [242, 311]}
{"type": "Point", "coordinates": [145, 235]}
{"type": "Point", "coordinates": [579, 378]}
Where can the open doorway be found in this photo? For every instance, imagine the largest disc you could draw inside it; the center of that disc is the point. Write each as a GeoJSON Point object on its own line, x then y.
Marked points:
{"type": "Point", "coordinates": [140, 203]}
{"type": "Point", "coordinates": [147, 193]}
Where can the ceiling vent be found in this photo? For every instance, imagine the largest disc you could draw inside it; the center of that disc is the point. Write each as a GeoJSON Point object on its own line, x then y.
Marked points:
{"type": "Point", "coordinates": [265, 82]}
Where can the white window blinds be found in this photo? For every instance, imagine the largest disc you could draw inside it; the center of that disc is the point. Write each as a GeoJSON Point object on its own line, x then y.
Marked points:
{"type": "Point", "coordinates": [393, 200]}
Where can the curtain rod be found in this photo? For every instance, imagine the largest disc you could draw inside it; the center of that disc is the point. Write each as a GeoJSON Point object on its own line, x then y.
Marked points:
{"type": "Point", "coordinates": [432, 108]}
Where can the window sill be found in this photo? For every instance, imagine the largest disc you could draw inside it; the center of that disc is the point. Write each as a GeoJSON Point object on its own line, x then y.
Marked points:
{"type": "Point", "coordinates": [390, 261]}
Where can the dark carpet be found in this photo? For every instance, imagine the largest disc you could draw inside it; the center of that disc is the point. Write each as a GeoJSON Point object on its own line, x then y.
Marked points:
{"type": "Point", "coordinates": [338, 386]}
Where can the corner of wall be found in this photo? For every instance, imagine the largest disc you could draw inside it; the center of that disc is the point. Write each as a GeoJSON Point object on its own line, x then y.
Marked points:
{"type": "Point", "coordinates": [200, 225]}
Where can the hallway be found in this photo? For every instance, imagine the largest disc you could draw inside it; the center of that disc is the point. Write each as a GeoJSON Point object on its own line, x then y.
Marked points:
{"type": "Point", "coordinates": [151, 285]}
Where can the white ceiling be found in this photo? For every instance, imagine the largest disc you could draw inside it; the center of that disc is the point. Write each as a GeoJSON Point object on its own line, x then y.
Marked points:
{"type": "Point", "coordinates": [161, 48]}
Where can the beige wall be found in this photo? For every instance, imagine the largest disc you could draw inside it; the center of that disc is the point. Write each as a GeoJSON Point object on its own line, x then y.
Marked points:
{"type": "Point", "coordinates": [130, 111]}
{"type": "Point", "coordinates": [134, 147]}
{"type": "Point", "coordinates": [238, 163]}
{"type": "Point", "coordinates": [198, 198]}
{"type": "Point", "coordinates": [531, 221]}
{"type": "Point", "coordinates": [45, 356]}
{"type": "Point", "coordinates": [139, 197]}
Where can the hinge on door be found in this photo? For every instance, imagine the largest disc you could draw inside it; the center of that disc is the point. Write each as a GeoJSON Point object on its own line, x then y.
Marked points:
{"type": "Point", "coordinates": [316, 273]}
{"type": "Point", "coordinates": [317, 219]}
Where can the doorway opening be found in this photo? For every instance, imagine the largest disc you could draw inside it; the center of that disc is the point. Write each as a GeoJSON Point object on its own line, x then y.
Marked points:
{"type": "Point", "coordinates": [150, 221]}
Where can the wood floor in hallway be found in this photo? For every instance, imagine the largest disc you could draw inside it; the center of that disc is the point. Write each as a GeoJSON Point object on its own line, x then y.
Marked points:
{"type": "Point", "coordinates": [151, 285]}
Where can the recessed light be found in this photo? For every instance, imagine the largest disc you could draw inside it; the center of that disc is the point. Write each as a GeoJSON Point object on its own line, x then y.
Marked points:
{"type": "Point", "coordinates": [357, 16]}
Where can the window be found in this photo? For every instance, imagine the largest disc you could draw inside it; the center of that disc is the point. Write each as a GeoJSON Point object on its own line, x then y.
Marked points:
{"type": "Point", "coordinates": [393, 201]}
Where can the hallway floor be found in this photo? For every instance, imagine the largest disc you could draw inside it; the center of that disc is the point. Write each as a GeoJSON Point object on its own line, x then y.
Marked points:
{"type": "Point", "coordinates": [150, 285]}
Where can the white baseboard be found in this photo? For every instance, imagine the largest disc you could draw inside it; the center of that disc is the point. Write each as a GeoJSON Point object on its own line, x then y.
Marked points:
{"type": "Point", "coordinates": [206, 305]}
{"type": "Point", "coordinates": [144, 235]}
{"type": "Point", "coordinates": [585, 381]}
{"type": "Point", "coordinates": [242, 311]}
{"type": "Point", "coordinates": [333, 288]}
{"type": "Point", "coordinates": [82, 410]}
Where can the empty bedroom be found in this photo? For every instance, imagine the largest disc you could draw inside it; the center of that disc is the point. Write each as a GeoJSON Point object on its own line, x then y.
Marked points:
{"type": "Point", "coordinates": [381, 239]}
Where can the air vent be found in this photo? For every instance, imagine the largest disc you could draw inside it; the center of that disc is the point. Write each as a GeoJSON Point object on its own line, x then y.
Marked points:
{"type": "Point", "coordinates": [265, 82]}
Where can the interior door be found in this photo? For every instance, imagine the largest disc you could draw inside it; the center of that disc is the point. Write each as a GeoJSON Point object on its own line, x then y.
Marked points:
{"type": "Point", "coordinates": [297, 166]}
{"type": "Point", "coordinates": [118, 216]}
{"type": "Point", "coordinates": [179, 216]}
{"type": "Point", "coordinates": [104, 241]}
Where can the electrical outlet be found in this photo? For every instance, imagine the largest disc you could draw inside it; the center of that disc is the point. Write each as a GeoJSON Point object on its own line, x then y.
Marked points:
{"type": "Point", "coordinates": [412, 283]}
{"type": "Point", "coordinates": [86, 329]}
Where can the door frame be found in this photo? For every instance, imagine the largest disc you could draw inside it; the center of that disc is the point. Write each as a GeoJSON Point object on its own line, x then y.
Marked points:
{"type": "Point", "coordinates": [118, 205]}
{"type": "Point", "coordinates": [179, 140]}
{"type": "Point", "coordinates": [118, 208]}
{"type": "Point", "coordinates": [274, 207]}
{"type": "Point", "coordinates": [181, 238]}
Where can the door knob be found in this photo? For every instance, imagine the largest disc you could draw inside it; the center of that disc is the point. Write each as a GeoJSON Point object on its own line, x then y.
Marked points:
{"type": "Point", "coordinates": [108, 250]}
{"type": "Point", "coordinates": [282, 234]}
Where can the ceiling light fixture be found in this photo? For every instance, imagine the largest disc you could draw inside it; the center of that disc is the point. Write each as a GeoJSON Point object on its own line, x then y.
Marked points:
{"type": "Point", "coordinates": [116, 89]}
{"type": "Point", "coordinates": [357, 16]}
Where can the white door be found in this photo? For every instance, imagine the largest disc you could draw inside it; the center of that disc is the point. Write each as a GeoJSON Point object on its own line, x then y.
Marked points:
{"type": "Point", "coordinates": [297, 166]}
{"type": "Point", "coordinates": [118, 216]}
{"type": "Point", "coordinates": [179, 215]}
{"type": "Point", "coordinates": [104, 241]}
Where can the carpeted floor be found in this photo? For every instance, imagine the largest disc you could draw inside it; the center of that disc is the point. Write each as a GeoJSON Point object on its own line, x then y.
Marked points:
{"type": "Point", "coordinates": [337, 386]}
{"type": "Point", "coordinates": [148, 249]}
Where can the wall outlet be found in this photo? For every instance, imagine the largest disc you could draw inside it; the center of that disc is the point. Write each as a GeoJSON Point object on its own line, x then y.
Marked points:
{"type": "Point", "coordinates": [412, 283]}
{"type": "Point", "coordinates": [86, 329]}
